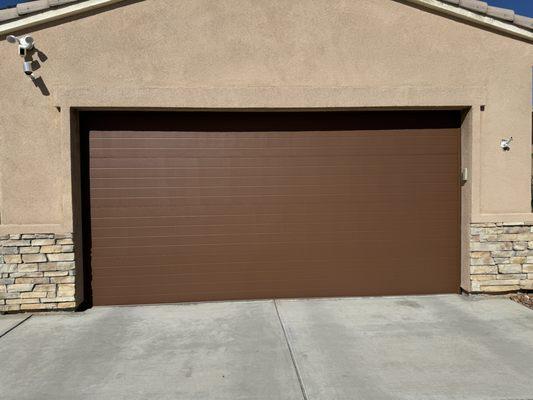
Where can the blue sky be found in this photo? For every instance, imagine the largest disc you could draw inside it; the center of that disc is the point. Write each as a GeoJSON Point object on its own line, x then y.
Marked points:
{"type": "Point", "coordinates": [7, 3]}
{"type": "Point", "coordinates": [524, 7]}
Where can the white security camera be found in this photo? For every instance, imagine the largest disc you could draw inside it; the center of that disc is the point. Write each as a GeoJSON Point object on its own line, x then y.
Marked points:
{"type": "Point", "coordinates": [505, 144]}
{"type": "Point", "coordinates": [28, 68]}
{"type": "Point", "coordinates": [25, 43]}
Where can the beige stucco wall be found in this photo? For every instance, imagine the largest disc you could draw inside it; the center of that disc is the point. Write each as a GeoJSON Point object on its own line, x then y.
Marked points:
{"type": "Point", "coordinates": [262, 54]}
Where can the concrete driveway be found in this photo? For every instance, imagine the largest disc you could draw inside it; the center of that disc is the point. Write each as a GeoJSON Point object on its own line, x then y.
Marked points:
{"type": "Point", "coordinates": [432, 347]}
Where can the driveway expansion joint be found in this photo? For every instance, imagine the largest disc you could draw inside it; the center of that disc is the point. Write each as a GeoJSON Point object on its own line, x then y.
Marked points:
{"type": "Point", "coordinates": [15, 326]}
{"type": "Point", "coordinates": [291, 352]}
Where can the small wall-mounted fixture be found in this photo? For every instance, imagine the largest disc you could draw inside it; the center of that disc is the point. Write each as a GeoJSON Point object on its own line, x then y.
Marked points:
{"type": "Point", "coordinates": [505, 144]}
{"type": "Point", "coordinates": [25, 44]}
{"type": "Point", "coordinates": [464, 175]}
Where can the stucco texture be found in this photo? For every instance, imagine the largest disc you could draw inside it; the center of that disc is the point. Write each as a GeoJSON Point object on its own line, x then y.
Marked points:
{"type": "Point", "coordinates": [273, 54]}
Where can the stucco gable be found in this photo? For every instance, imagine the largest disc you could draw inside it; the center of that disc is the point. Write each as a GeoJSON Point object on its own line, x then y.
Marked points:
{"type": "Point", "coordinates": [32, 13]}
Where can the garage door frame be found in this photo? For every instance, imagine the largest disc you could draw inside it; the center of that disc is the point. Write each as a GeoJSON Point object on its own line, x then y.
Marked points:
{"type": "Point", "coordinates": [80, 160]}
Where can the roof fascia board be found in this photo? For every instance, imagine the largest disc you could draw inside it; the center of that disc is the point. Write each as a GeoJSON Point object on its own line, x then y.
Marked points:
{"type": "Point", "coordinates": [475, 18]}
{"type": "Point", "coordinates": [52, 15]}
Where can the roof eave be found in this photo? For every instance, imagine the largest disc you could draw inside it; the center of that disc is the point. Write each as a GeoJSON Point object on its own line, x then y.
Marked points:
{"type": "Point", "coordinates": [475, 18]}
{"type": "Point", "coordinates": [52, 15]}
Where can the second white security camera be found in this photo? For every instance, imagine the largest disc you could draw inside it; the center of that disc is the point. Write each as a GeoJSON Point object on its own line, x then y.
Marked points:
{"type": "Point", "coordinates": [28, 68]}
{"type": "Point", "coordinates": [505, 144]}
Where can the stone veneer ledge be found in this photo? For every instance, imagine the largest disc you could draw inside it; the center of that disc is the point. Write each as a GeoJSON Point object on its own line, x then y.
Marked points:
{"type": "Point", "coordinates": [501, 257]}
{"type": "Point", "coordinates": [37, 272]}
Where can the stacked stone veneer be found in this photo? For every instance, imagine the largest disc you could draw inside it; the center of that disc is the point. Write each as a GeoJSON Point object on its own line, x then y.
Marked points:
{"type": "Point", "coordinates": [37, 272]}
{"type": "Point", "coordinates": [501, 257]}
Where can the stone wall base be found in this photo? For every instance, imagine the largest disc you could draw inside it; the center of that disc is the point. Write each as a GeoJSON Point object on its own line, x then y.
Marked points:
{"type": "Point", "coordinates": [37, 272]}
{"type": "Point", "coordinates": [501, 257]}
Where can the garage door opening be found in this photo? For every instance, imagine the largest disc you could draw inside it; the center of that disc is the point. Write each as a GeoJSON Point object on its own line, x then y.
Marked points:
{"type": "Point", "coordinates": [193, 206]}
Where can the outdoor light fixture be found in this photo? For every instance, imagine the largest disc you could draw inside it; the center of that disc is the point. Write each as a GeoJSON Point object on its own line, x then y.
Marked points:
{"type": "Point", "coordinates": [25, 43]}
{"type": "Point", "coordinates": [505, 144]}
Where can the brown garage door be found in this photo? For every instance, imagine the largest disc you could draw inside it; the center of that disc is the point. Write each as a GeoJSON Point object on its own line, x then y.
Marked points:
{"type": "Point", "coordinates": [211, 206]}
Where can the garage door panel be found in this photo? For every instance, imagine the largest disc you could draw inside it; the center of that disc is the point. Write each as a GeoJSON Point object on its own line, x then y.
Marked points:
{"type": "Point", "coordinates": [318, 286]}
{"type": "Point", "coordinates": [156, 275]}
{"type": "Point", "coordinates": [246, 280]}
{"type": "Point", "coordinates": [408, 149]}
{"type": "Point", "coordinates": [261, 290]}
{"type": "Point", "coordinates": [267, 213]}
{"type": "Point", "coordinates": [356, 176]}
{"type": "Point", "coordinates": [212, 213]}
{"type": "Point", "coordinates": [279, 251]}
{"type": "Point", "coordinates": [254, 139]}
{"type": "Point", "coordinates": [148, 184]}
{"type": "Point", "coordinates": [165, 265]}
{"type": "Point", "coordinates": [138, 224]}
{"type": "Point", "coordinates": [123, 165]}
{"type": "Point", "coordinates": [186, 261]}
{"type": "Point", "coordinates": [310, 170]}
{"type": "Point", "coordinates": [238, 278]}
{"type": "Point", "coordinates": [261, 200]}
{"type": "Point", "coordinates": [261, 139]}
{"type": "Point", "coordinates": [158, 243]}
{"type": "Point", "coordinates": [339, 224]}
{"type": "Point", "coordinates": [239, 163]}
{"type": "Point", "coordinates": [355, 190]}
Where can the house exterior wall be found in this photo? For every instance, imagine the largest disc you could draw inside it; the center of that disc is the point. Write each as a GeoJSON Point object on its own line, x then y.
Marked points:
{"type": "Point", "coordinates": [281, 54]}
